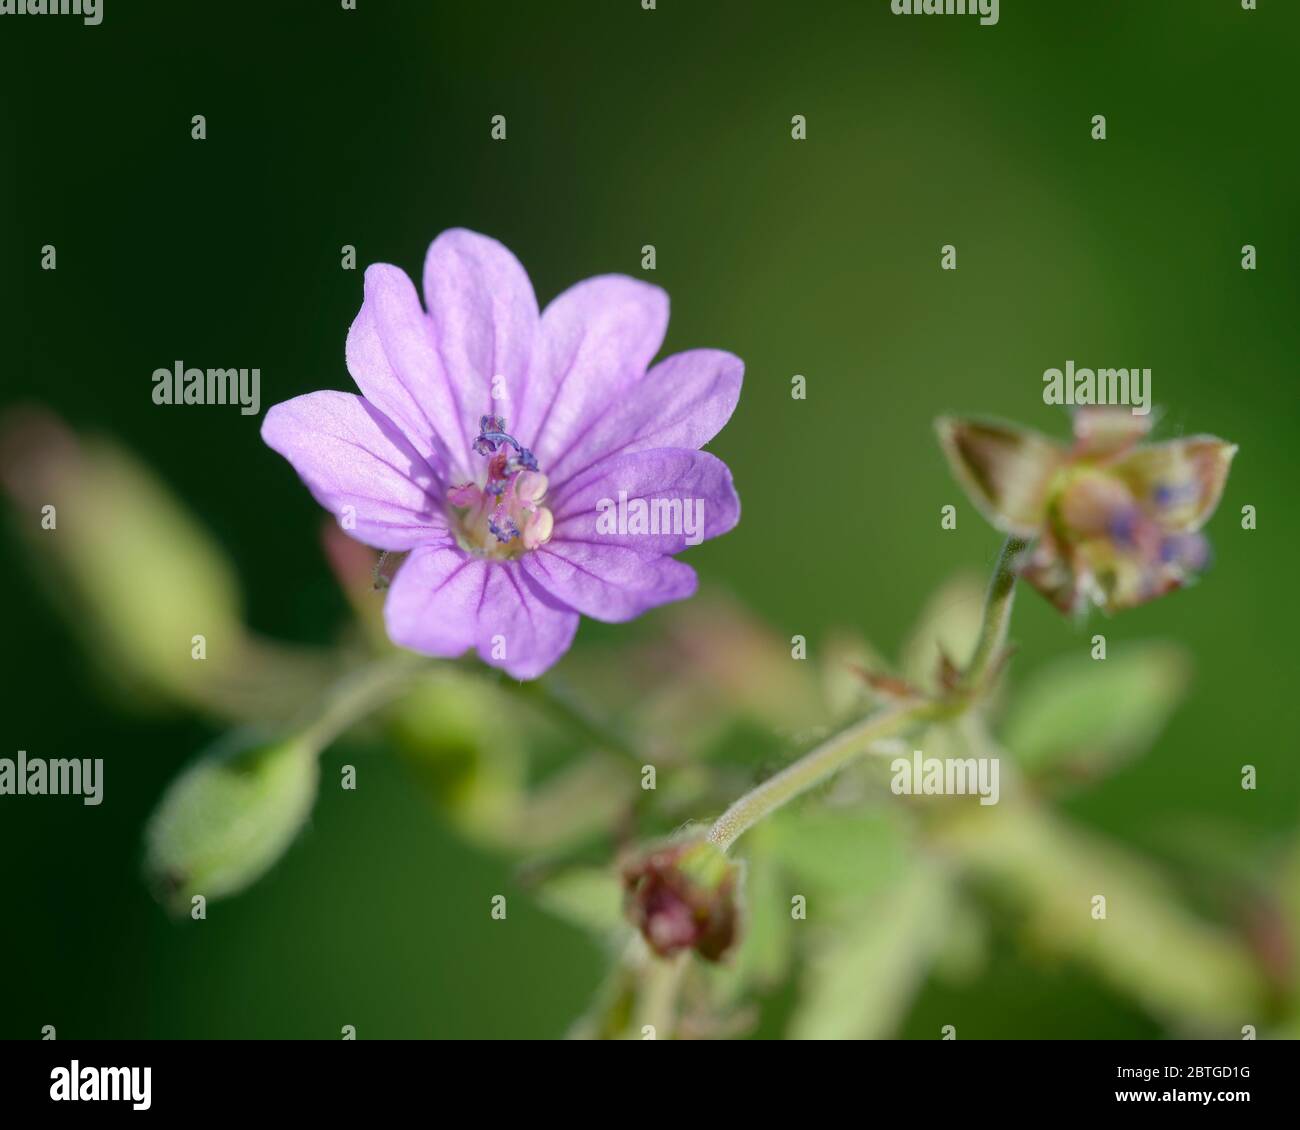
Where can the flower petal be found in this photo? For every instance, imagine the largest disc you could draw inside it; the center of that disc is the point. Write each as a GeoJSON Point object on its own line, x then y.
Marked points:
{"type": "Point", "coordinates": [359, 466]}
{"type": "Point", "coordinates": [443, 602]}
{"type": "Point", "coordinates": [485, 320]}
{"type": "Point", "coordinates": [595, 341]}
{"type": "Point", "coordinates": [684, 497]}
{"type": "Point", "coordinates": [684, 401]}
{"type": "Point", "coordinates": [432, 604]}
{"type": "Point", "coordinates": [1107, 430]}
{"type": "Point", "coordinates": [393, 357]}
{"type": "Point", "coordinates": [1112, 576]}
{"type": "Point", "coordinates": [1179, 482]}
{"type": "Point", "coordinates": [522, 629]}
{"type": "Point", "coordinates": [1006, 471]}
{"type": "Point", "coordinates": [609, 582]}
{"type": "Point", "coordinates": [1046, 568]}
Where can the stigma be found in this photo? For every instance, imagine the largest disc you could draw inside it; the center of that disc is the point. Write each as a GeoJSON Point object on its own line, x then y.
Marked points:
{"type": "Point", "coordinates": [502, 518]}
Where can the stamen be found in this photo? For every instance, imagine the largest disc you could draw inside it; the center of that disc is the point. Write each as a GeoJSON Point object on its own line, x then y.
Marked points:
{"type": "Point", "coordinates": [531, 486]}
{"type": "Point", "coordinates": [504, 517]}
{"type": "Point", "coordinates": [504, 530]}
{"type": "Point", "coordinates": [538, 528]}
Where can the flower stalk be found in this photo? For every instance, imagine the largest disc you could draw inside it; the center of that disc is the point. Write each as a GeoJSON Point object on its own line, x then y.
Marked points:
{"type": "Point", "coordinates": [859, 738]}
{"type": "Point", "coordinates": [554, 699]}
{"type": "Point", "coordinates": [996, 619]}
{"type": "Point", "coordinates": [360, 694]}
{"type": "Point", "coordinates": [815, 767]}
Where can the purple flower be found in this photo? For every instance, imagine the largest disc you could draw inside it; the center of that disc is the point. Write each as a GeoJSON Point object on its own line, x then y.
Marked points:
{"type": "Point", "coordinates": [493, 442]}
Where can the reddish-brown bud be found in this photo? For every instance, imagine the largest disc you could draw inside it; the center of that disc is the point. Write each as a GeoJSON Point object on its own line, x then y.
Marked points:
{"type": "Point", "coordinates": [683, 896]}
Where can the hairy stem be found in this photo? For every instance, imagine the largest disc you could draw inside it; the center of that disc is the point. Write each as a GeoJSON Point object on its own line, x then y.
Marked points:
{"type": "Point", "coordinates": [851, 743]}
{"type": "Point", "coordinates": [813, 768]}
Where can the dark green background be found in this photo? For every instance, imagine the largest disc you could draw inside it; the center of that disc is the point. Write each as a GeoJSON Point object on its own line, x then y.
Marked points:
{"type": "Point", "coordinates": [628, 127]}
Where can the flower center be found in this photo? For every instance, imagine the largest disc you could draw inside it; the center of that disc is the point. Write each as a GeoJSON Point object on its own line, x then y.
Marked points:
{"type": "Point", "coordinates": [503, 518]}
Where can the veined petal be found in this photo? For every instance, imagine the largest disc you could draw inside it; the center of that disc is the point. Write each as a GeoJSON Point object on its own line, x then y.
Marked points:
{"type": "Point", "coordinates": [1179, 482]}
{"type": "Point", "coordinates": [594, 343]}
{"type": "Point", "coordinates": [1006, 471]}
{"type": "Point", "coordinates": [360, 466]}
{"type": "Point", "coordinates": [485, 322]}
{"type": "Point", "coordinates": [393, 357]}
{"type": "Point", "coordinates": [443, 602]}
{"type": "Point", "coordinates": [609, 582]}
{"type": "Point", "coordinates": [656, 502]}
{"type": "Point", "coordinates": [432, 603]}
{"type": "Point", "coordinates": [683, 401]}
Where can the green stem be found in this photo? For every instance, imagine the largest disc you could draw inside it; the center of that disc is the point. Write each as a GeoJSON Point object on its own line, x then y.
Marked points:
{"type": "Point", "coordinates": [849, 744]}
{"type": "Point", "coordinates": [997, 617]}
{"type": "Point", "coordinates": [813, 768]}
{"type": "Point", "coordinates": [551, 697]}
{"type": "Point", "coordinates": [660, 989]}
{"type": "Point", "coordinates": [369, 688]}
{"type": "Point", "coordinates": [362, 692]}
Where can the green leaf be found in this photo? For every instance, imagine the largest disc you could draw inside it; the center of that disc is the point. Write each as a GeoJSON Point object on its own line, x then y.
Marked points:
{"type": "Point", "coordinates": [145, 586]}
{"type": "Point", "coordinates": [137, 574]}
{"type": "Point", "coordinates": [859, 982]}
{"type": "Point", "coordinates": [437, 727]}
{"type": "Point", "coordinates": [965, 949]}
{"type": "Point", "coordinates": [845, 660]}
{"type": "Point", "coordinates": [1181, 967]}
{"type": "Point", "coordinates": [948, 625]}
{"type": "Point", "coordinates": [224, 822]}
{"type": "Point", "coordinates": [587, 897]}
{"type": "Point", "coordinates": [1080, 713]}
{"type": "Point", "coordinates": [1288, 893]}
{"type": "Point", "coordinates": [850, 852]}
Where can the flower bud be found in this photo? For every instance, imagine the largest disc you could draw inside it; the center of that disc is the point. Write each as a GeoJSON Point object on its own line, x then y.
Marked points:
{"type": "Point", "coordinates": [229, 817]}
{"type": "Point", "coordinates": [683, 895]}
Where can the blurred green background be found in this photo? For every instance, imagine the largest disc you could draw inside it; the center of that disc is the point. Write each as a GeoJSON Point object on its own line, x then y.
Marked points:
{"type": "Point", "coordinates": [626, 127]}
